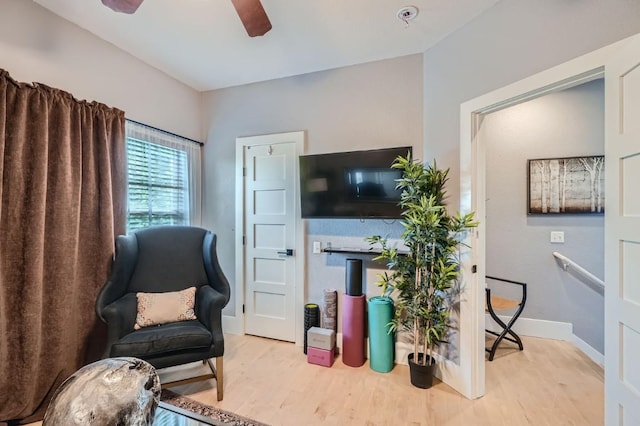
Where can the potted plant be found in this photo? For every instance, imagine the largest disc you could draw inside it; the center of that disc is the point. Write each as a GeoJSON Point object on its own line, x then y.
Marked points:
{"type": "Point", "coordinates": [422, 280]}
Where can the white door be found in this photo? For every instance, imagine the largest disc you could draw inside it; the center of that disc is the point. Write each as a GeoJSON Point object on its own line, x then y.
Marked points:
{"type": "Point", "coordinates": [270, 198]}
{"type": "Point", "coordinates": [622, 236]}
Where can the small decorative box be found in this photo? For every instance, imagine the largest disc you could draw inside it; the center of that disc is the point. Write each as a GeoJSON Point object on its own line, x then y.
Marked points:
{"type": "Point", "coordinates": [320, 356]}
{"type": "Point", "coordinates": [321, 338]}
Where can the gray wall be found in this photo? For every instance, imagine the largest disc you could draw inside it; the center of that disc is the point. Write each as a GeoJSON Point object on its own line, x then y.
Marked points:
{"type": "Point", "coordinates": [511, 41]}
{"type": "Point", "coordinates": [366, 106]}
{"type": "Point", "coordinates": [564, 124]}
{"type": "Point", "coordinates": [37, 45]}
{"type": "Point", "coordinates": [328, 270]}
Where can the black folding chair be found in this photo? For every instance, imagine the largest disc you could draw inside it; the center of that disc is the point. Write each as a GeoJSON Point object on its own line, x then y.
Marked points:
{"type": "Point", "coordinates": [497, 303]}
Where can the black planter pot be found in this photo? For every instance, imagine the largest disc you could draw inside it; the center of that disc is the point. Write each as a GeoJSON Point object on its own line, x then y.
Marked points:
{"type": "Point", "coordinates": [421, 375]}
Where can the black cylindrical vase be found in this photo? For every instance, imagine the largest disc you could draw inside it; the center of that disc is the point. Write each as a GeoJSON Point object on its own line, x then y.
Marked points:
{"type": "Point", "coordinates": [311, 319]}
{"type": "Point", "coordinates": [353, 278]}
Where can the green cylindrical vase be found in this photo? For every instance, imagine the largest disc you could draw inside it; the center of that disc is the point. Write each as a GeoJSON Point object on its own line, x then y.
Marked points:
{"type": "Point", "coordinates": [381, 342]}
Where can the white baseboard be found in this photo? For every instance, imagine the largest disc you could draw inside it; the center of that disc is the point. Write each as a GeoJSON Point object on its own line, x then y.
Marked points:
{"type": "Point", "coordinates": [339, 341]}
{"type": "Point", "coordinates": [232, 325]}
{"type": "Point", "coordinates": [548, 330]}
{"type": "Point", "coordinates": [588, 350]}
{"type": "Point", "coordinates": [403, 349]}
{"type": "Point", "coordinates": [524, 326]}
{"type": "Point", "coordinates": [535, 327]}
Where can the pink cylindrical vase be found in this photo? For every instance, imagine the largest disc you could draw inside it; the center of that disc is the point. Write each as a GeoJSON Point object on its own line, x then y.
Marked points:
{"type": "Point", "coordinates": [353, 312]}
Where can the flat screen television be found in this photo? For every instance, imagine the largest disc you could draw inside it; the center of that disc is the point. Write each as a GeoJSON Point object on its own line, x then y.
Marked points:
{"type": "Point", "coordinates": [356, 184]}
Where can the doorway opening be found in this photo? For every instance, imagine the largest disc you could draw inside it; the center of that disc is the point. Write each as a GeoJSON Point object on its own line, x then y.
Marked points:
{"type": "Point", "coordinates": [548, 146]}
{"type": "Point", "coordinates": [473, 192]}
{"type": "Point", "coordinates": [622, 150]}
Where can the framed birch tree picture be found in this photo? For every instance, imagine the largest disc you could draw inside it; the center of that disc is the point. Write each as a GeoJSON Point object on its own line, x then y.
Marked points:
{"type": "Point", "coordinates": [572, 185]}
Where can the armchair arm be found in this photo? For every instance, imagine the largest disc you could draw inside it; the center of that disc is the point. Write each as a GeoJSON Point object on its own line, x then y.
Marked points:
{"type": "Point", "coordinates": [126, 253]}
{"type": "Point", "coordinates": [120, 317]}
{"type": "Point", "coordinates": [209, 304]}
{"type": "Point", "coordinates": [217, 279]}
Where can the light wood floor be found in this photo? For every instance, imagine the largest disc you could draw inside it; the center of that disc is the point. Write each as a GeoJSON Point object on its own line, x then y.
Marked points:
{"type": "Point", "coordinates": [549, 383]}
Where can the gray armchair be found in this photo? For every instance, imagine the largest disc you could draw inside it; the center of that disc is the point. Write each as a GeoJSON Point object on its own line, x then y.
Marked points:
{"type": "Point", "coordinates": [158, 260]}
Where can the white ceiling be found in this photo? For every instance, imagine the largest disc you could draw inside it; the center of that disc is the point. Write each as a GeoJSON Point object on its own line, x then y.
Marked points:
{"type": "Point", "coordinates": [203, 44]}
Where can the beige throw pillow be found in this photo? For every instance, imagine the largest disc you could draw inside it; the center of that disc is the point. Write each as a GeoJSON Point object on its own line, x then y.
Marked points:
{"type": "Point", "coordinates": [161, 308]}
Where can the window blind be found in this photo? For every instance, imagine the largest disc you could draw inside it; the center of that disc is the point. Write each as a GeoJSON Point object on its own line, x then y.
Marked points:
{"type": "Point", "coordinates": [163, 174]}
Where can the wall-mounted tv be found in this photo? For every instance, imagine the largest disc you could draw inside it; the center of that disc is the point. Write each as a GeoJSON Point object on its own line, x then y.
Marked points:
{"type": "Point", "coordinates": [356, 184]}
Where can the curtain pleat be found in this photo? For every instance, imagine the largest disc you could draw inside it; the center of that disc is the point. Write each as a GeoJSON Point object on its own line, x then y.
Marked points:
{"type": "Point", "coordinates": [63, 201]}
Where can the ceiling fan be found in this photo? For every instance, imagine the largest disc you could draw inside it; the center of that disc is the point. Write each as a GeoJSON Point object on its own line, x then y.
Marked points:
{"type": "Point", "coordinates": [251, 13]}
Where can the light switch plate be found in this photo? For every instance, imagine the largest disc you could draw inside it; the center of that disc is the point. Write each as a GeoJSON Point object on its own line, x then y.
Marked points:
{"type": "Point", "coordinates": [557, 237]}
{"type": "Point", "coordinates": [317, 247]}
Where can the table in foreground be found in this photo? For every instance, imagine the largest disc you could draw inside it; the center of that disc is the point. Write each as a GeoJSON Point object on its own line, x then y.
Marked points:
{"type": "Point", "coordinates": [168, 415]}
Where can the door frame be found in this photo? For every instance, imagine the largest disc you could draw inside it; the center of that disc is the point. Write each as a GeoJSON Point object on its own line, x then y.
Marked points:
{"type": "Point", "coordinates": [472, 188]}
{"type": "Point", "coordinates": [236, 324]}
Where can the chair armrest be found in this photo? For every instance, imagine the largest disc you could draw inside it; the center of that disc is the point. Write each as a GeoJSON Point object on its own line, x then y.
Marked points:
{"type": "Point", "coordinates": [217, 280]}
{"type": "Point", "coordinates": [522, 285]}
{"type": "Point", "coordinates": [209, 305]}
{"type": "Point", "coordinates": [126, 253]}
{"type": "Point", "coordinates": [120, 317]}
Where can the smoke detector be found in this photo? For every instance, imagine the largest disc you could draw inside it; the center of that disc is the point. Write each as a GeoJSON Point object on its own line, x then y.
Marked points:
{"type": "Point", "coordinates": [407, 13]}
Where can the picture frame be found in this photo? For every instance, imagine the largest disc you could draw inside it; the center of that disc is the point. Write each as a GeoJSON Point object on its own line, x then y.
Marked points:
{"type": "Point", "coordinates": [566, 185]}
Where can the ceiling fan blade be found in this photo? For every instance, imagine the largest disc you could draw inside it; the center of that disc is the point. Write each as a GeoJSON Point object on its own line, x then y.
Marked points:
{"type": "Point", "coordinates": [124, 6]}
{"type": "Point", "coordinates": [253, 16]}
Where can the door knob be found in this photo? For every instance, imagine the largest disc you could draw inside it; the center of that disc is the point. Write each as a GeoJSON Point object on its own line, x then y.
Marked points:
{"type": "Point", "coordinates": [287, 252]}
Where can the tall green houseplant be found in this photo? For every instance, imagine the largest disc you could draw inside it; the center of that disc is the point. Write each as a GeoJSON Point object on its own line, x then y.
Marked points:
{"type": "Point", "coordinates": [422, 280]}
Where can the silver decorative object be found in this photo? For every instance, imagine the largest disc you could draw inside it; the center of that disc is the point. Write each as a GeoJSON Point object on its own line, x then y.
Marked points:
{"type": "Point", "coordinates": [113, 391]}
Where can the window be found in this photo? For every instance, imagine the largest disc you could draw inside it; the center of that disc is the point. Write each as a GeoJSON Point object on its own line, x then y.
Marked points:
{"type": "Point", "coordinates": [163, 173]}
{"type": "Point", "coordinates": [158, 188]}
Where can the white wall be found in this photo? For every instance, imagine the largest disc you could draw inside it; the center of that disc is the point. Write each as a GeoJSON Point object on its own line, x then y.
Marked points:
{"type": "Point", "coordinates": [511, 41]}
{"type": "Point", "coordinates": [38, 46]}
{"type": "Point", "coordinates": [367, 106]}
{"type": "Point", "coordinates": [564, 124]}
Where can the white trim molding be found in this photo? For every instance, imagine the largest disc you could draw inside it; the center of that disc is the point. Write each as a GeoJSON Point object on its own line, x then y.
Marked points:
{"type": "Point", "coordinates": [588, 350]}
{"type": "Point", "coordinates": [555, 330]}
{"type": "Point", "coordinates": [530, 327]}
{"type": "Point", "coordinates": [232, 324]}
{"type": "Point", "coordinates": [535, 327]}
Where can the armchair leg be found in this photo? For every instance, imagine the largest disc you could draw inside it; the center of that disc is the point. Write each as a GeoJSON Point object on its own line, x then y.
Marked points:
{"type": "Point", "coordinates": [219, 380]}
{"type": "Point", "coordinates": [217, 371]}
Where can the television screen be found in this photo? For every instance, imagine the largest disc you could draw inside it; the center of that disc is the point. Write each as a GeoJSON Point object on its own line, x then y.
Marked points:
{"type": "Point", "coordinates": [356, 184]}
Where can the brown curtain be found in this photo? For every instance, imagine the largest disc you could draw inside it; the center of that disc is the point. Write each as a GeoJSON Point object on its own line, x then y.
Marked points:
{"type": "Point", "coordinates": [62, 193]}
